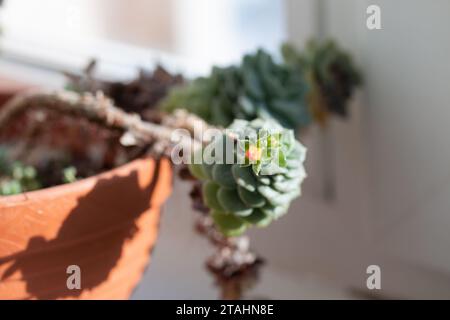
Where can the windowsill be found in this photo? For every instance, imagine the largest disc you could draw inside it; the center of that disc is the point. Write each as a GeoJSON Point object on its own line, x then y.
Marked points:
{"type": "Point", "coordinates": [116, 60]}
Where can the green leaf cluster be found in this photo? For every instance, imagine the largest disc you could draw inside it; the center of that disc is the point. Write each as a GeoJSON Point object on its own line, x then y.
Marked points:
{"type": "Point", "coordinates": [331, 74]}
{"type": "Point", "coordinates": [16, 177]}
{"type": "Point", "coordinates": [256, 88]}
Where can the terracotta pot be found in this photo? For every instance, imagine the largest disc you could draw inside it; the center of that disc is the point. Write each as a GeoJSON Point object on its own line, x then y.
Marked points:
{"type": "Point", "coordinates": [106, 224]}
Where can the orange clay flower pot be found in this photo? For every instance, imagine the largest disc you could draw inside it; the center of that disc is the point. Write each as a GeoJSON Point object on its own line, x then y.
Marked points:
{"type": "Point", "coordinates": [106, 224]}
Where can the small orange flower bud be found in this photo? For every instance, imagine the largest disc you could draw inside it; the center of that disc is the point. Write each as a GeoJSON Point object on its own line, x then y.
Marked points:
{"type": "Point", "coordinates": [253, 153]}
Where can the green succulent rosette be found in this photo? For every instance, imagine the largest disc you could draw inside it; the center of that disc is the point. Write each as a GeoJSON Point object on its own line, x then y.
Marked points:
{"type": "Point", "coordinates": [256, 88]}
{"type": "Point", "coordinates": [331, 74]}
{"type": "Point", "coordinates": [250, 174]}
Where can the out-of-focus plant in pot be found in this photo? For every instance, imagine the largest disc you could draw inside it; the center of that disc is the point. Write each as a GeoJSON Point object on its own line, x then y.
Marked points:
{"type": "Point", "coordinates": [74, 192]}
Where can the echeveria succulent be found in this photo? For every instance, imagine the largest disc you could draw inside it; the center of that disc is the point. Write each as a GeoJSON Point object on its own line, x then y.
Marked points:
{"type": "Point", "coordinates": [250, 174]}
{"type": "Point", "coordinates": [258, 87]}
{"type": "Point", "coordinates": [331, 75]}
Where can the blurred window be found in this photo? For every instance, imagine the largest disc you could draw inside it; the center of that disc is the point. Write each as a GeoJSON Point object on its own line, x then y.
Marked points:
{"type": "Point", "coordinates": [204, 32]}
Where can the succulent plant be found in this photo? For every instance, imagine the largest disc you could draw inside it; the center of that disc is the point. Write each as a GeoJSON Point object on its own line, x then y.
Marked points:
{"type": "Point", "coordinates": [16, 177]}
{"type": "Point", "coordinates": [257, 88]}
{"type": "Point", "coordinates": [250, 174]}
{"type": "Point", "coordinates": [69, 174]}
{"type": "Point", "coordinates": [331, 75]}
{"type": "Point", "coordinates": [140, 95]}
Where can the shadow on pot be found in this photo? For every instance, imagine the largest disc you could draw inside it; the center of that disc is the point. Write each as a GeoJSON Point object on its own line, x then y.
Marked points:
{"type": "Point", "coordinates": [92, 237]}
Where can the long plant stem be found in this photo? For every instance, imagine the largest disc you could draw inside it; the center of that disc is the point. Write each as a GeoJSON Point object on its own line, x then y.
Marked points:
{"type": "Point", "coordinates": [100, 109]}
{"type": "Point", "coordinates": [234, 265]}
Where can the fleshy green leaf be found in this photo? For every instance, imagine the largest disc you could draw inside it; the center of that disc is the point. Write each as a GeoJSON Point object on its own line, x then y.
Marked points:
{"type": "Point", "coordinates": [247, 106]}
{"type": "Point", "coordinates": [295, 172]}
{"type": "Point", "coordinates": [277, 198]}
{"type": "Point", "coordinates": [222, 175]}
{"type": "Point", "coordinates": [258, 218]}
{"type": "Point", "coordinates": [231, 202]}
{"type": "Point", "coordinates": [229, 224]}
{"type": "Point", "coordinates": [271, 169]}
{"type": "Point", "coordinates": [251, 199]}
{"type": "Point", "coordinates": [244, 177]}
{"type": "Point", "coordinates": [293, 163]}
{"type": "Point", "coordinates": [287, 185]}
{"type": "Point", "coordinates": [207, 170]}
{"type": "Point", "coordinates": [274, 211]}
{"type": "Point", "coordinates": [210, 190]}
{"type": "Point", "coordinates": [197, 171]}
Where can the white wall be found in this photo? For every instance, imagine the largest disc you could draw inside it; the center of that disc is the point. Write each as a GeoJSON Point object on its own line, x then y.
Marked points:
{"type": "Point", "coordinates": [392, 158]}
{"type": "Point", "coordinates": [408, 112]}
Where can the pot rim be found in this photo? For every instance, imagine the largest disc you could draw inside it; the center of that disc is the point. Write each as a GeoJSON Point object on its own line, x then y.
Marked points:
{"type": "Point", "coordinates": [59, 190]}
